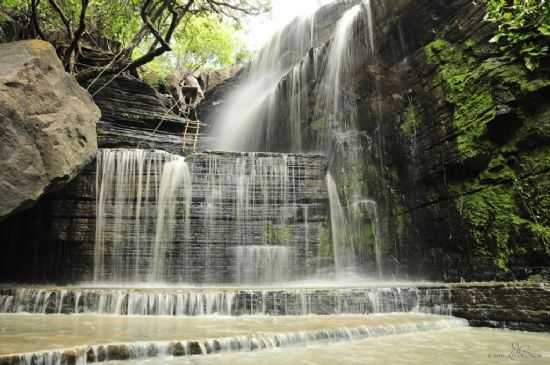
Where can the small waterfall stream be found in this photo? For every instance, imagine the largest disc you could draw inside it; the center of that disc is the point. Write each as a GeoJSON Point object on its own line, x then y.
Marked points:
{"type": "Point", "coordinates": [175, 178]}
{"type": "Point", "coordinates": [276, 301]}
{"type": "Point", "coordinates": [138, 194]}
{"type": "Point", "coordinates": [264, 264]}
{"type": "Point", "coordinates": [343, 245]}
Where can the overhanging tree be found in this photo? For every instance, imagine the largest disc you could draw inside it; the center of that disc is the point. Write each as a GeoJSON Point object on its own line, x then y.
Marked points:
{"type": "Point", "coordinates": [133, 23]}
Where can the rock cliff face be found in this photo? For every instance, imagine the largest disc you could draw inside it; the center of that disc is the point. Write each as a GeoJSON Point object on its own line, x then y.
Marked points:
{"type": "Point", "coordinates": [454, 141]}
{"type": "Point", "coordinates": [47, 124]}
{"type": "Point", "coordinates": [463, 141]}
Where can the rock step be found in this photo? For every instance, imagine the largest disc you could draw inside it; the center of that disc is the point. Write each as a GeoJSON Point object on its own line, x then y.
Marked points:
{"type": "Point", "coordinates": [256, 342]}
{"type": "Point", "coordinates": [197, 302]}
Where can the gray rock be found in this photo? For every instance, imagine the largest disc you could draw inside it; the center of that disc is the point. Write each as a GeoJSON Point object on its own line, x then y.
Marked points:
{"type": "Point", "coordinates": [47, 124]}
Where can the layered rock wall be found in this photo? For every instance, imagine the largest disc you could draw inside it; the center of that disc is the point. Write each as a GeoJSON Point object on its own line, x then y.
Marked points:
{"type": "Point", "coordinates": [463, 141]}
{"type": "Point", "coordinates": [233, 206]}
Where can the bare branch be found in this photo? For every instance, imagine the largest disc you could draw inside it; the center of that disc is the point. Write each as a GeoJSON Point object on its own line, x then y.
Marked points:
{"type": "Point", "coordinates": [142, 33]}
{"type": "Point", "coordinates": [241, 9]}
{"type": "Point", "coordinates": [63, 17]}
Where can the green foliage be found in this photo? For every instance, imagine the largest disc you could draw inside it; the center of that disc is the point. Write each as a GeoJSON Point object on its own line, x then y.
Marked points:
{"type": "Point", "coordinates": [200, 43]}
{"type": "Point", "coordinates": [208, 35]}
{"type": "Point", "coordinates": [203, 41]}
{"type": "Point", "coordinates": [523, 29]}
{"type": "Point", "coordinates": [116, 20]}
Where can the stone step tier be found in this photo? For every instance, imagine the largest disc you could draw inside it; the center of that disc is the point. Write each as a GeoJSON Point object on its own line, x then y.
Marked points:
{"type": "Point", "coordinates": [520, 305]}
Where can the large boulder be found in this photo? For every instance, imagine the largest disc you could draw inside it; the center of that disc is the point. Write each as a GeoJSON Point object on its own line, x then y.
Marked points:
{"type": "Point", "coordinates": [47, 124]}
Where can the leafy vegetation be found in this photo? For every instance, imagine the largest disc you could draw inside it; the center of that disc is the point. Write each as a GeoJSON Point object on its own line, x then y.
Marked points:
{"type": "Point", "coordinates": [523, 29]}
{"type": "Point", "coordinates": [129, 34]}
{"type": "Point", "coordinates": [199, 43]}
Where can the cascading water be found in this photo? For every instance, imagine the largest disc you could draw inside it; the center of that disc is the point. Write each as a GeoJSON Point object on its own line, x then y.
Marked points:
{"type": "Point", "coordinates": [343, 245]}
{"type": "Point", "coordinates": [228, 301]}
{"type": "Point", "coordinates": [242, 234]}
{"type": "Point", "coordinates": [258, 96]}
{"type": "Point", "coordinates": [310, 96]}
{"type": "Point", "coordinates": [175, 177]}
{"type": "Point", "coordinates": [337, 75]}
{"type": "Point", "coordinates": [263, 264]}
{"type": "Point", "coordinates": [211, 219]}
{"type": "Point", "coordinates": [138, 194]}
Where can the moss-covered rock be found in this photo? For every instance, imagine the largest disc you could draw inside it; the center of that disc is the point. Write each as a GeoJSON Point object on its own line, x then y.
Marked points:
{"type": "Point", "coordinates": [500, 200]}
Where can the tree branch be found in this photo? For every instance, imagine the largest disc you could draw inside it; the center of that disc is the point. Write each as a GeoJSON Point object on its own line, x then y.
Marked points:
{"type": "Point", "coordinates": [142, 33]}
{"type": "Point", "coordinates": [71, 52]}
{"type": "Point", "coordinates": [63, 17]}
{"type": "Point", "coordinates": [164, 41]}
{"type": "Point", "coordinates": [226, 4]}
{"type": "Point", "coordinates": [34, 19]}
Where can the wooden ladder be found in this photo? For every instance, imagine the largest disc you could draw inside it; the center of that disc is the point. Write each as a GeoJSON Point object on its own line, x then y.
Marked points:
{"type": "Point", "coordinates": [191, 136]}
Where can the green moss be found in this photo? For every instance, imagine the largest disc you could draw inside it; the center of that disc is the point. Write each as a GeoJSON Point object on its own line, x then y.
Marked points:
{"type": "Point", "coordinates": [469, 84]}
{"type": "Point", "coordinates": [319, 124]}
{"type": "Point", "coordinates": [470, 119]}
{"type": "Point", "coordinates": [474, 105]}
{"type": "Point", "coordinates": [278, 235]}
{"type": "Point", "coordinates": [504, 202]}
{"type": "Point", "coordinates": [505, 209]}
{"type": "Point", "coordinates": [493, 220]}
{"type": "Point", "coordinates": [353, 179]}
{"type": "Point", "coordinates": [412, 121]}
{"type": "Point", "coordinates": [325, 243]}
{"type": "Point", "coordinates": [498, 172]}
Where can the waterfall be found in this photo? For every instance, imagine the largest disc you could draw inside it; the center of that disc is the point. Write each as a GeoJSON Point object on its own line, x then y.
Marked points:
{"type": "Point", "coordinates": [343, 245]}
{"type": "Point", "coordinates": [257, 98]}
{"type": "Point", "coordinates": [263, 264]}
{"type": "Point", "coordinates": [299, 95]}
{"type": "Point", "coordinates": [370, 25]}
{"type": "Point", "coordinates": [334, 104]}
{"type": "Point", "coordinates": [339, 62]}
{"type": "Point", "coordinates": [214, 217]}
{"type": "Point", "coordinates": [259, 191]}
{"type": "Point", "coordinates": [175, 176]}
{"type": "Point", "coordinates": [138, 193]}
{"type": "Point", "coordinates": [372, 210]}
